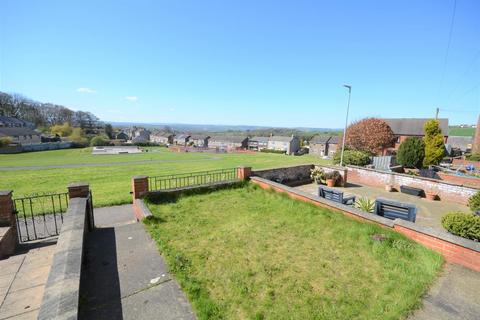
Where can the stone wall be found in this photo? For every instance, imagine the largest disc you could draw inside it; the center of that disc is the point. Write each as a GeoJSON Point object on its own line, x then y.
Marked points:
{"type": "Point", "coordinates": [445, 190]}
{"type": "Point", "coordinates": [295, 175]}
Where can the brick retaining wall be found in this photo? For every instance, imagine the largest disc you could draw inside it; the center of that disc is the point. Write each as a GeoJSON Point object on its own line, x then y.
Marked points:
{"type": "Point", "coordinates": [453, 248]}
{"type": "Point", "coordinates": [445, 190]}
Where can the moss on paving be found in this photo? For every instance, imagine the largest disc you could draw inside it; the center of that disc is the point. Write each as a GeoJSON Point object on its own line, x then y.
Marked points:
{"type": "Point", "coordinates": [111, 184]}
{"type": "Point", "coordinates": [247, 253]}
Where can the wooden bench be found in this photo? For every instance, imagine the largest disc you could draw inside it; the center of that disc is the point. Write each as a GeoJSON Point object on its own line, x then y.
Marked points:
{"type": "Point", "coordinates": [393, 210]}
{"type": "Point", "coordinates": [335, 195]}
{"type": "Point", "coordinates": [411, 190]}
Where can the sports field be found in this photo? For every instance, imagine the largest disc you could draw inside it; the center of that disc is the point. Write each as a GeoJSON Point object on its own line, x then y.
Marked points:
{"type": "Point", "coordinates": [109, 175]}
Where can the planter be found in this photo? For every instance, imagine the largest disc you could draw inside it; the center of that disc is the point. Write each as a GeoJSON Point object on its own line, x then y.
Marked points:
{"type": "Point", "coordinates": [431, 196]}
{"type": "Point", "coordinates": [330, 183]}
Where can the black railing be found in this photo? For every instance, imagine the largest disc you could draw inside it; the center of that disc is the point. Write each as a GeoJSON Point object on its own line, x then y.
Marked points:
{"type": "Point", "coordinates": [40, 216]}
{"type": "Point", "coordinates": [178, 181]}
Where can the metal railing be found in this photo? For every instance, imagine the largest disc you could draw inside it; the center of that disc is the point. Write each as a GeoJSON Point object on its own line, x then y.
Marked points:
{"type": "Point", "coordinates": [39, 216]}
{"type": "Point", "coordinates": [177, 181]}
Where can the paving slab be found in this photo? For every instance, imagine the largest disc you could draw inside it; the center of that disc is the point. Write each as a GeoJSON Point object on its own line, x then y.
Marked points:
{"type": "Point", "coordinates": [454, 295]}
{"type": "Point", "coordinates": [124, 275]}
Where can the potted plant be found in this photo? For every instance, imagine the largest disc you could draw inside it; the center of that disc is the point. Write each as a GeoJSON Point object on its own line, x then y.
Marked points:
{"type": "Point", "coordinates": [430, 194]}
{"type": "Point", "coordinates": [318, 175]}
{"type": "Point", "coordinates": [332, 178]}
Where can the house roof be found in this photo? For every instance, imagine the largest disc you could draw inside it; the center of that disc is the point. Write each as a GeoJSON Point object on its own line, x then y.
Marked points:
{"type": "Point", "coordinates": [462, 143]}
{"type": "Point", "coordinates": [413, 126]}
{"type": "Point", "coordinates": [234, 139]}
{"type": "Point", "coordinates": [320, 139]}
{"type": "Point", "coordinates": [199, 137]}
{"type": "Point", "coordinates": [259, 139]}
{"type": "Point", "coordinates": [162, 134]}
{"type": "Point", "coordinates": [182, 136]}
{"type": "Point", "coordinates": [281, 138]}
{"type": "Point", "coordinates": [17, 131]}
{"type": "Point", "coordinates": [334, 140]}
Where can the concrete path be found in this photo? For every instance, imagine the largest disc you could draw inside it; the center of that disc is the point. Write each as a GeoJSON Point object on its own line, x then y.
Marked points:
{"type": "Point", "coordinates": [22, 280]}
{"type": "Point", "coordinates": [125, 277]}
{"type": "Point", "coordinates": [454, 295]}
{"type": "Point", "coordinates": [110, 164]}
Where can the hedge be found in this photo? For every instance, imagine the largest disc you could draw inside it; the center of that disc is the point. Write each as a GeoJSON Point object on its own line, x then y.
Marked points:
{"type": "Point", "coordinates": [462, 224]}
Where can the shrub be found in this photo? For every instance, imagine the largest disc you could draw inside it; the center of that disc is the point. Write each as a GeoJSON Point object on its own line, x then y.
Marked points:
{"type": "Point", "coordinates": [474, 157]}
{"type": "Point", "coordinates": [474, 201]}
{"type": "Point", "coordinates": [369, 135]}
{"type": "Point", "coordinates": [434, 145]}
{"type": "Point", "coordinates": [78, 138]}
{"type": "Point", "coordinates": [352, 157]}
{"type": "Point", "coordinates": [365, 204]}
{"type": "Point", "coordinates": [99, 141]}
{"type": "Point", "coordinates": [5, 141]}
{"type": "Point", "coordinates": [462, 224]}
{"type": "Point", "coordinates": [334, 175]}
{"type": "Point", "coordinates": [318, 175]}
{"type": "Point", "coordinates": [411, 153]}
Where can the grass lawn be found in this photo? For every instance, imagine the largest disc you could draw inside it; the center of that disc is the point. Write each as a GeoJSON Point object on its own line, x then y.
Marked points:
{"type": "Point", "coordinates": [247, 253]}
{"type": "Point", "coordinates": [457, 131]}
{"type": "Point", "coordinates": [109, 175]}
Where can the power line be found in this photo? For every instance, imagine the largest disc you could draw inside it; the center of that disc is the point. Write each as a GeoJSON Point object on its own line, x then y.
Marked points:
{"type": "Point", "coordinates": [448, 46]}
{"type": "Point", "coordinates": [464, 74]}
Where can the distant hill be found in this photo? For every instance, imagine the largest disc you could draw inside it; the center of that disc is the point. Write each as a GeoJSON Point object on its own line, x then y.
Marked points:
{"type": "Point", "coordinates": [215, 127]}
{"type": "Point", "coordinates": [464, 132]}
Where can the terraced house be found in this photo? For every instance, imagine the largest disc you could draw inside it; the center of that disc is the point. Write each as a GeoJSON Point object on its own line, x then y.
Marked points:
{"type": "Point", "coordinates": [324, 145]}
{"type": "Point", "coordinates": [288, 144]}
{"type": "Point", "coordinates": [228, 142]}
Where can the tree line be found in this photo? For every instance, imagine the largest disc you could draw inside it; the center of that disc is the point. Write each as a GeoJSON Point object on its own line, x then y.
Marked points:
{"type": "Point", "coordinates": [46, 115]}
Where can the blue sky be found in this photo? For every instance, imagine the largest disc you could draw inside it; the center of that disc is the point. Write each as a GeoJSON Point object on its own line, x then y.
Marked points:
{"type": "Point", "coordinates": [274, 63]}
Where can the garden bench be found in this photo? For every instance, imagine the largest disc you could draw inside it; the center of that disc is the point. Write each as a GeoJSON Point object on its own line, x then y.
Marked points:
{"type": "Point", "coordinates": [335, 195]}
{"type": "Point", "coordinates": [393, 210]}
{"type": "Point", "coordinates": [411, 190]}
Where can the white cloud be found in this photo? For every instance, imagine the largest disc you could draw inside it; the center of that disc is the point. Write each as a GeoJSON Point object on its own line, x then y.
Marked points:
{"type": "Point", "coordinates": [85, 90]}
{"type": "Point", "coordinates": [131, 98]}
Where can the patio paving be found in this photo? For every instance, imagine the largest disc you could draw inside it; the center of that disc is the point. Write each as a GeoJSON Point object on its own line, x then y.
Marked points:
{"type": "Point", "coordinates": [22, 280]}
{"type": "Point", "coordinates": [429, 213]}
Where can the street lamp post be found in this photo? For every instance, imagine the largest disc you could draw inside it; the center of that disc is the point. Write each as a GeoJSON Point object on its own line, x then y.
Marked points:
{"type": "Point", "coordinates": [349, 87]}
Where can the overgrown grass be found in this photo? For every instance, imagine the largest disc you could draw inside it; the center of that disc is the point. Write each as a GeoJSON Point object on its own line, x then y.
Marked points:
{"type": "Point", "coordinates": [110, 181]}
{"type": "Point", "coordinates": [246, 253]}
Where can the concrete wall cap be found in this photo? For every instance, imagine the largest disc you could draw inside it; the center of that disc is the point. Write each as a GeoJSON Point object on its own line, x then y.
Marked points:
{"type": "Point", "coordinates": [78, 184]}
{"type": "Point", "coordinates": [5, 192]}
{"type": "Point", "coordinates": [139, 177]}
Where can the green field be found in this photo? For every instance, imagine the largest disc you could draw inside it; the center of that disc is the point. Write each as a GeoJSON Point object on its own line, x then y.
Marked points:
{"type": "Point", "coordinates": [457, 131]}
{"type": "Point", "coordinates": [247, 253]}
{"type": "Point", "coordinates": [109, 175]}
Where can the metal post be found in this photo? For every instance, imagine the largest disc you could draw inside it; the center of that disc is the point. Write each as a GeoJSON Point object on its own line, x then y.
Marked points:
{"type": "Point", "coordinates": [346, 123]}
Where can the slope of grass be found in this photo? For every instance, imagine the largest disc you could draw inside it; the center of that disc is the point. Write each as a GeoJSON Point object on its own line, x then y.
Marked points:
{"type": "Point", "coordinates": [246, 253]}
{"type": "Point", "coordinates": [465, 132]}
{"type": "Point", "coordinates": [110, 181]}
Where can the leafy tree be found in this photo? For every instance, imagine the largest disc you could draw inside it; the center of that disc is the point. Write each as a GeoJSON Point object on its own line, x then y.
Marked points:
{"type": "Point", "coordinates": [411, 153]}
{"type": "Point", "coordinates": [434, 144]}
{"type": "Point", "coordinates": [63, 130]}
{"type": "Point", "coordinates": [352, 157]}
{"type": "Point", "coordinates": [5, 141]}
{"type": "Point", "coordinates": [99, 141]}
{"type": "Point", "coordinates": [369, 135]}
{"type": "Point", "coordinates": [109, 131]}
{"type": "Point", "coordinates": [78, 137]}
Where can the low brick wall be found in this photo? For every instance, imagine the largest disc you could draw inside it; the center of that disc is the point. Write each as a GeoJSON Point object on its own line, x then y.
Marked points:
{"type": "Point", "coordinates": [454, 249]}
{"type": "Point", "coordinates": [8, 241]}
{"type": "Point", "coordinates": [294, 175]}
{"type": "Point", "coordinates": [445, 190]}
{"type": "Point", "coordinates": [460, 180]}
{"type": "Point", "coordinates": [463, 162]}
{"type": "Point", "coordinates": [62, 290]}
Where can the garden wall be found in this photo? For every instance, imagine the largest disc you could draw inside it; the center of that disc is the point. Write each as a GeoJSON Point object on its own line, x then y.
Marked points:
{"type": "Point", "coordinates": [445, 190]}
{"type": "Point", "coordinates": [460, 180]}
{"type": "Point", "coordinates": [453, 248]}
{"type": "Point", "coordinates": [295, 175]}
{"type": "Point", "coordinates": [462, 162]}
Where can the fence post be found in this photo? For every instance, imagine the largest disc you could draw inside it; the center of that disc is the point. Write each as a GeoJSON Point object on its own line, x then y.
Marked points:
{"type": "Point", "coordinates": [8, 237]}
{"type": "Point", "coordinates": [244, 173]}
{"type": "Point", "coordinates": [139, 187]}
{"type": "Point", "coordinates": [78, 190]}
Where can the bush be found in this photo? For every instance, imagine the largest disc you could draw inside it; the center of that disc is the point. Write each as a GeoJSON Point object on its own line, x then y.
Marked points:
{"type": "Point", "coordinates": [462, 224]}
{"type": "Point", "coordinates": [352, 157]}
{"type": "Point", "coordinates": [411, 153]}
{"type": "Point", "coordinates": [474, 157]}
{"type": "Point", "coordinates": [272, 151]}
{"type": "Point", "coordinates": [334, 175]}
{"type": "Point", "coordinates": [474, 202]}
{"type": "Point", "coordinates": [5, 141]}
{"type": "Point", "coordinates": [99, 141]}
{"type": "Point", "coordinates": [434, 145]}
{"type": "Point", "coordinates": [365, 204]}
